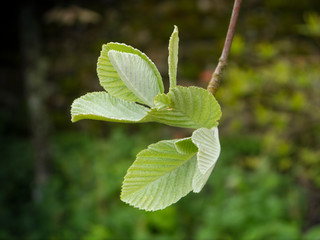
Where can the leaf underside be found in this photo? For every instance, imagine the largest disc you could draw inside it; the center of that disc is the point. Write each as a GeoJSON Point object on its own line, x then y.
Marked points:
{"type": "Point", "coordinates": [186, 107]}
{"type": "Point", "coordinates": [199, 179]}
{"type": "Point", "coordinates": [137, 75]}
{"type": "Point", "coordinates": [159, 177]}
{"type": "Point", "coordinates": [103, 106]}
{"type": "Point", "coordinates": [110, 79]}
{"type": "Point", "coordinates": [207, 141]}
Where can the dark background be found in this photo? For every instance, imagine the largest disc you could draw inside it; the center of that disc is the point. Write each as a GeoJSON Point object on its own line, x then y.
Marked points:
{"type": "Point", "coordinates": [62, 181]}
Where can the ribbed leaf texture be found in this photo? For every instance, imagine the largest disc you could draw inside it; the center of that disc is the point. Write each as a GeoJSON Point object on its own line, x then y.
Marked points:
{"type": "Point", "coordinates": [137, 75]}
{"type": "Point", "coordinates": [186, 107]}
{"type": "Point", "coordinates": [207, 141]}
{"type": "Point", "coordinates": [173, 57]}
{"type": "Point", "coordinates": [103, 106]}
{"type": "Point", "coordinates": [159, 177]}
{"type": "Point", "coordinates": [168, 170]}
{"type": "Point", "coordinates": [199, 179]}
{"type": "Point", "coordinates": [110, 79]}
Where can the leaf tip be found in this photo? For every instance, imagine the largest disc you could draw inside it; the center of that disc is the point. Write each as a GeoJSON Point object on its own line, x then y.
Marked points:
{"type": "Point", "coordinates": [73, 119]}
{"type": "Point", "coordinates": [72, 112]}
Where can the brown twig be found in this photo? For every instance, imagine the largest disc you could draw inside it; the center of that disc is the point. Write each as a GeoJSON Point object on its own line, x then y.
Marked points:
{"type": "Point", "coordinates": [214, 82]}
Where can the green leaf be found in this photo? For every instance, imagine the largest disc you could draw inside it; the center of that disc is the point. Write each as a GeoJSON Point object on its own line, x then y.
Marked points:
{"type": "Point", "coordinates": [103, 106]}
{"type": "Point", "coordinates": [173, 57]}
{"type": "Point", "coordinates": [110, 79]}
{"type": "Point", "coordinates": [159, 177]}
{"type": "Point", "coordinates": [190, 107]}
{"type": "Point", "coordinates": [207, 141]}
{"type": "Point", "coordinates": [137, 74]}
{"type": "Point", "coordinates": [185, 145]}
{"type": "Point", "coordinates": [199, 179]}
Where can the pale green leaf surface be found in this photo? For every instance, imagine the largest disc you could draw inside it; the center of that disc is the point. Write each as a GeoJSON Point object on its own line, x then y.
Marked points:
{"type": "Point", "coordinates": [121, 47]}
{"type": "Point", "coordinates": [110, 79]}
{"type": "Point", "coordinates": [137, 75]}
{"type": "Point", "coordinates": [199, 179]}
{"type": "Point", "coordinates": [191, 107]}
{"type": "Point", "coordinates": [173, 57]}
{"type": "Point", "coordinates": [161, 101]}
{"type": "Point", "coordinates": [103, 106]}
{"type": "Point", "coordinates": [207, 141]}
{"type": "Point", "coordinates": [159, 177]}
{"type": "Point", "coordinates": [186, 146]}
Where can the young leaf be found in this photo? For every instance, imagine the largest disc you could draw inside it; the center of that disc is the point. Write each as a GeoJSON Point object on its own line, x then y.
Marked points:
{"type": "Point", "coordinates": [110, 79]}
{"type": "Point", "coordinates": [137, 75]}
{"type": "Point", "coordinates": [185, 145]}
{"type": "Point", "coordinates": [207, 141]}
{"type": "Point", "coordinates": [159, 177]}
{"type": "Point", "coordinates": [199, 179]}
{"type": "Point", "coordinates": [103, 106]}
{"type": "Point", "coordinates": [173, 57]}
{"type": "Point", "coordinates": [190, 107]}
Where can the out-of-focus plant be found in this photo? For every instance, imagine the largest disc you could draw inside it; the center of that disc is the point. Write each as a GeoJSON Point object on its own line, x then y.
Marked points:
{"type": "Point", "coordinates": [312, 25]}
{"type": "Point", "coordinates": [278, 96]}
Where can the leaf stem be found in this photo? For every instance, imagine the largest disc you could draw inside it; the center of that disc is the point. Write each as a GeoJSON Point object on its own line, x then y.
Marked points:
{"type": "Point", "coordinates": [214, 82]}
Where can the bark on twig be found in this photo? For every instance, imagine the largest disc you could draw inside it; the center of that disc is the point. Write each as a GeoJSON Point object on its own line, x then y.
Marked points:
{"type": "Point", "coordinates": [214, 82]}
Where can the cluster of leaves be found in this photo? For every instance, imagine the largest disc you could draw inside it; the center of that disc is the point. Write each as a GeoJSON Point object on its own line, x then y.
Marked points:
{"type": "Point", "coordinates": [168, 170]}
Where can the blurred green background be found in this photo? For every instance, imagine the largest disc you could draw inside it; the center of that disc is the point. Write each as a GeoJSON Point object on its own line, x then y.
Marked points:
{"type": "Point", "coordinates": [62, 181]}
